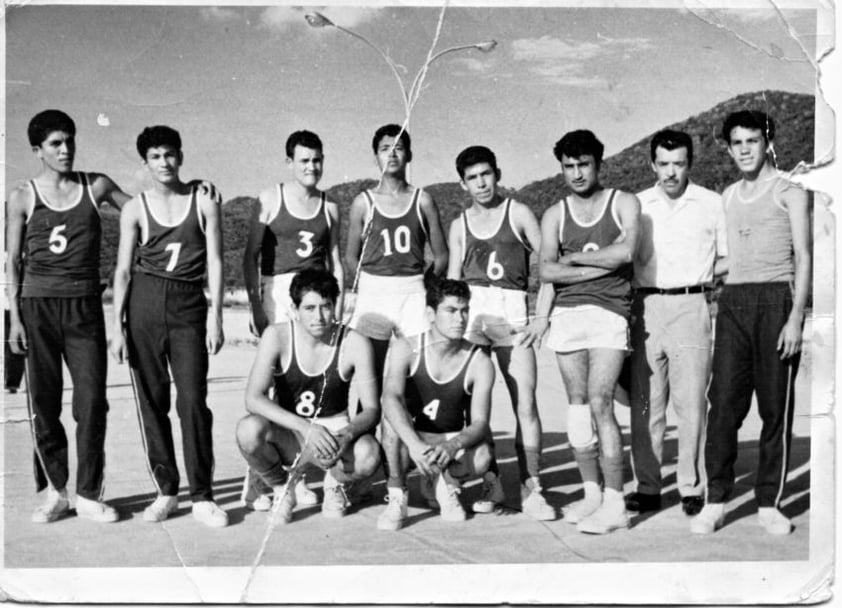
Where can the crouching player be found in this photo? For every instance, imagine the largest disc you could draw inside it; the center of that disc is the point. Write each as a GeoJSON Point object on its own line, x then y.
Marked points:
{"type": "Point", "coordinates": [437, 398]}
{"type": "Point", "coordinates": [309, 361]}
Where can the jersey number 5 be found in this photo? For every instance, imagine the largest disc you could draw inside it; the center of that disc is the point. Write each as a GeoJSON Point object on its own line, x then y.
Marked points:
{"type": "Point", "coordinates": [58, 242]}
{"type": "Point", "coordinates": [401, 240]}
{"type": "Point", "coordinates": [174, 249]}
{"type": "Point", "coordinates": [431, 409]}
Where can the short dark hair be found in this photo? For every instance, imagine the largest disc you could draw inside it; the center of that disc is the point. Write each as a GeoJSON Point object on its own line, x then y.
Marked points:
{"type": "Point", "coordinates": [46, 122]}
{"type": "Point", "coordinates": [437, 291]}
{"type": "Point", "coordinates": [669, 139]}
{"type": "Point", "coordinates": [749, 119]}
{"type": "Point", "coordinates": [155, 137]}
{"type": "Point", "coordinates": [305, 139]}
{"type": "Point", "coordinates": [393, 130]}
{"type": "Point", "coordinates": [313, 279]}
{"type": "Point", "coordinates": [579, 143]}
{"type": "Point", "coordinates": [474, 155]}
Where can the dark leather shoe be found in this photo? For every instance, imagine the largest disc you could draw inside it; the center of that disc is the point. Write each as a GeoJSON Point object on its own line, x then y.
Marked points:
{"type": "Point", "coordinates": [692, 505]}
{"type": "Point", "coordinates": [643, 502]}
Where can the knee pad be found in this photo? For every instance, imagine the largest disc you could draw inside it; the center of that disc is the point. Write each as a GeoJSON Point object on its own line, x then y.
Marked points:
{"type": "Point", "coordinates": [580, 431]}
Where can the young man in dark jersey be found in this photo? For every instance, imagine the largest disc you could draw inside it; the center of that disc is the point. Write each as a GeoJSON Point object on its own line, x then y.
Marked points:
{"type": "Point", "coordinates": [309, 361]}
{"type": "Point", "coordinates": [389, 227]}
{"type": "Point", "coordinates": [588, 241]}
{"type": "Point", "coordinates": [293, 227]}
{"type": "Point", "coordinates": [53, 230]}
{"type": "Point", "coordinates": [489, 244]}
{"type": "Point", "coordinates": [161, 320]}
{"type": "Point", "coordinates": [759, 322]}
{"type": "Point", "coordinates": [437, 398]}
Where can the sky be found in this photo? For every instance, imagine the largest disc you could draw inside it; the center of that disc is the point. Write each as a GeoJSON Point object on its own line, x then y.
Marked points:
{"type": "Point", "coordinates": [235, 81]}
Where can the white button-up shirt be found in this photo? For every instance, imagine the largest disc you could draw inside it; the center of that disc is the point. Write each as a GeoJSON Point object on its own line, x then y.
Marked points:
{"type": "Point", "coordinates": [679, 239]}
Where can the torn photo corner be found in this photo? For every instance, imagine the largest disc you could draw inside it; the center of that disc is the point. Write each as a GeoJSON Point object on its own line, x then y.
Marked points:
{"type": "Point", "coordinates": [235, 81]}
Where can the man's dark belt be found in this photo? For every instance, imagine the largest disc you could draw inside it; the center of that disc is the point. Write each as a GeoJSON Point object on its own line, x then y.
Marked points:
{"type": "Point", "coordinates": [674, 291]}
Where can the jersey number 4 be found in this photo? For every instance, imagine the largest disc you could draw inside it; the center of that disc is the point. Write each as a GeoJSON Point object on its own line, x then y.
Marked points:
{"type": "Point", "coordinates": [431, 409]}
{"type": "Point", "coordinates": [401, 240]}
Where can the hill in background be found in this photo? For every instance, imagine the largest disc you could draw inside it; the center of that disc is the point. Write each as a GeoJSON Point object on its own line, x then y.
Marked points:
{"type": "Point", "coordinates": [794, 116]}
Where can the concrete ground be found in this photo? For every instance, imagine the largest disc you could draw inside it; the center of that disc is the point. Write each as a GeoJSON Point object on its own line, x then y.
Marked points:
{"type": "Point", "coordinates": [506, 538]}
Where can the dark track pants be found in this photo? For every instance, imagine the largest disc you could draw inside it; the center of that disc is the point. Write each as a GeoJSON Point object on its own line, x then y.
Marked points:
{"type": "Point", "coordinates": [72, 328]}
{"type": "Point", "coordinates": [166, 326]}
{"type": "Point", "coordinates": [746, 360]}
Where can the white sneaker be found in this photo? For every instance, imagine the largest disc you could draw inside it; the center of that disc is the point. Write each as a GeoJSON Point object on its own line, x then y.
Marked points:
{"type": "Point", "coordinates": [427, 485]}
{"type": "Point", "coordinates": [304, 495]}
{"type": "Point", "coordinates": [54, 507]}
{"type": "Point", "coordinates": [209, 513]}
{"type": "Point", "coordinates": [95, 510]}
{"type": "Point", "coordinates": [709, 520]}
{"type": "Point", "coordinates": [161, 508]}
{"type": "Point", "coordinates": [395, 513]}
{"type": "Point", "coordinates": [605, 519]}
{"type": "Point", "coordinates": [256, 493]}
{"type": "Point", "coordinates": [448, 498]}
{"type": "Point", "coordinates": [579, 510]}
{"type": "Point", "coordinates": [283, 504]}
{"type": "Point", "coordinates": [335, 501]}
{"type": "Point", "coordinates": [491, 496]}
{"type": "Point", "coordinates": [534, 504]}
{"type": "Point", "coordinates": [773, 521]}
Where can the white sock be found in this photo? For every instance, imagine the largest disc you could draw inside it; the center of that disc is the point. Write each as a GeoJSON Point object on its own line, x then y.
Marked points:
{"type": "Point", "coordinates": [592, 491]}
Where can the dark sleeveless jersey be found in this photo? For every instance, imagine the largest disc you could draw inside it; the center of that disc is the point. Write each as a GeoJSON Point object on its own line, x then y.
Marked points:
{"type": "Point", "coordinates": [301, 393]}
{"type": "Point", "coordinates": [394, 245]}
{"type": "Point", "coordinates": [500, 260]}
{"type": "Point", "coordinates": [61, 247]}
{"type": "Point", "coordinates": [177, 252]}
{"type": "Point", "coordinates": [612, 291]}
{"type": "Point", "coordinates": [291, 244]}
{"type": "Point", "coordinates": [438, 407]}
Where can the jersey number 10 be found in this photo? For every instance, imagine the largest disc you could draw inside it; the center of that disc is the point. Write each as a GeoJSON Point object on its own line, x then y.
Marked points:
{"type": "Point", "coordinates": [401, 240]}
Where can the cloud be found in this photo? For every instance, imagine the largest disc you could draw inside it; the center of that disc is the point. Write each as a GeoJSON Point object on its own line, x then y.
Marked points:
{"type": "Point", "coordinates": [559, 62]}
{"type": "Point", "coordinates": [281, 17]}
{"type": "Point", "coordinates": [216, 13]}
{"type": "Point", "coordinates": [473, 64]}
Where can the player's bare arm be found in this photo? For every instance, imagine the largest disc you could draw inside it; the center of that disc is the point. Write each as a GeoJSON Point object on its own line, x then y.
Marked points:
{"type": "Point", "coordinates": [251, 268]}
{"type": "Point", "coordinates": [480, 379]}
{"type": "Point", "coordinates": [551, 268]}
{"type": "Point", "coordinates": [271, 353]}
{"type": "Point", "coordinates": [358, 359]}
{"type": "Point", "coordinates": [622, 250]}
{"type": "Point", "coordinates": [438, 244]}
{"type": "Point", "coordinates": [455, 246]}
{"type": "Point", "coordinates": [356, 226]}
{"type": "Point", "coordinates": [130, 231]}
{"type": "Point", "coordinates": [526, 225]}
{"type": "Point", "coordinates": [211, 210]}
{"type": "Point", "coordinates": [797, 203]}
{"type": "Point", "coordinates": [335, 259]}
{"type": "Point", "coordinates": [394, 404]}
{"type": "Point", "coordinates": [20, 199]}
{"type": "Point", "coordinates": [106, 191]}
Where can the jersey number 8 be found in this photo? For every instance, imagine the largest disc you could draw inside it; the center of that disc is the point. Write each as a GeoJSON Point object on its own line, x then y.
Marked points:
{"type": "Point", "coordinates": [305, 406]}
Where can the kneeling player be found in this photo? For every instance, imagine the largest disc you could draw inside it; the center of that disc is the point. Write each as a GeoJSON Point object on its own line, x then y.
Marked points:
{"type": "Point", "coordinates": [310, 361]}
{"type": "Point", "coordinates": [437, 399]}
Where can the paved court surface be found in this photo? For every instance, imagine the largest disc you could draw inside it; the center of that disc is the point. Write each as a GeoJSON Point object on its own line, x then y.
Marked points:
{"type": "Point", "coordinates": [504, 538]}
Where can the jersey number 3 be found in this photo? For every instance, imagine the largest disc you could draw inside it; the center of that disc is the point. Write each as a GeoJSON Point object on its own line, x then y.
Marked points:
{"type": "Point", "coordinates": [306, 243]}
